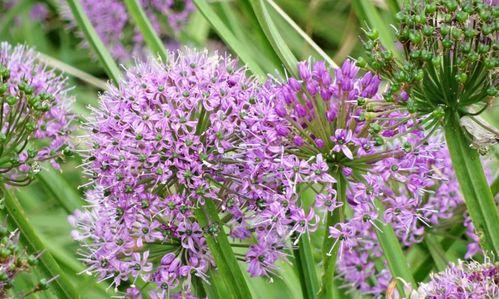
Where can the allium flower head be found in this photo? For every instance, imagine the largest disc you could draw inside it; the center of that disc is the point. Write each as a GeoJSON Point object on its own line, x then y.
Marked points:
{"type": "Point", "coordinates": [450, 50]}
{"type": "Point", "coordinates": [115, 27]}
{"type": "Point", "coordinates": [172, 139]}
{"type": "Point", "coordinates": [34, 119]}
{"type": "Point", "coordinates": [471, 279]}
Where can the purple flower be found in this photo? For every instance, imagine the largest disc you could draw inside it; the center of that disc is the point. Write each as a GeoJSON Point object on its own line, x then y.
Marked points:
{"type": "Point", "coordinates": [35, 123]}
{"type": "Point", "coordinates": [170, 139]}
{"type": "Point", "coordinates": [471, 279]}
{"type": "Point", "coordinates": [111, 21]}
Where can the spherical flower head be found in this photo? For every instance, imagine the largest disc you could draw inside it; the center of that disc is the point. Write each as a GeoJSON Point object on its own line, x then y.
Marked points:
{"type": "Point", "coordinates": [115, 26]}
{"type": "Point", "coordinates": [463, 280]}
{"type": "Point", "coordinates": [449, 63]}
{"type": "Point", "coordinates": [35, 122]}
{"type": "Point", "coordinates": [177, 138]}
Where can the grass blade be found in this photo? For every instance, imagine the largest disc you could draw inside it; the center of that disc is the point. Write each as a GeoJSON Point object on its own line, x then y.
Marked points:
{"type": "Point", "coordinates": [392, 250]}
{"type": "Point", "coordinates": [228, 37]}
{"type": "Point", "coordinates": [436, 251]}
{"type": "Point", "coordinates": [473, 184]}
{"type": "Point", "coordinates": [303, 34]}
{"type": "Point", "coordinates": [329, 257]}
{"type": "Point", "coordinates": [55, 185]}
{"type": "Point", "coordinates": [274, 37]}
{"type": "Point", "coordinates": [61, 286]}
{"type": "Point", "coordinates": [94, 40]}
{"type": "Point", "coordinates": [305, 264]}
{"type": "Point", "coordinates": [142, 21]}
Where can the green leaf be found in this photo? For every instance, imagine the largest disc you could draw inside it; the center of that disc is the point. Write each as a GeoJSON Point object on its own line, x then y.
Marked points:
{"type": "Point", "coordinates": [304, 262]}
{"type": "Point", "coordinates": [392, 251]}
{"type": "Point", "coordinates": [57, 186]}
{"type": "Point", "coordinates": [329, 257]}
{"type": "Point", "coordinates": [274, 37]}
{"type": "Point", "coordinates": [436, 251]}
{"type": "Point", "coordinates": [228, 37]}
{"type": "Point", "coordinates": [473, 184]}
{"type": "Point", "coordinates": [93, 39]}
{"type": "Point", "coordinates": [303, 34]}
{"type": "Point", "coordinates": [225, 260]}
{"type": "Point", "coordinates": [61, 286]}
{"type": "Point", "coordinates": [142, 21]}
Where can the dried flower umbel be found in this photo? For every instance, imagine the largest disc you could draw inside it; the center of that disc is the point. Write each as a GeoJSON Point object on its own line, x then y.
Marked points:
{"type": "Point", "coordinates": [13, 261]}
{"type": "Point", "coordinates": [35, 122]}
{"type": "Point", "coordinates": [175, 144]}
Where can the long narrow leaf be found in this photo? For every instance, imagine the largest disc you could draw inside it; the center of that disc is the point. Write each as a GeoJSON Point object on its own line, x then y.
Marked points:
{"type": "Point", "coordinates": [93, 39]}
{"type": "Point", "coordinates": [473, 184]}
{"type": "Point", "coordinates": [436, 251]}
{"type": "Point", "coordinates": [303, 34]}
{"type": "Point", "coordinates": [274, 37]}
{"type": "Point", "coordinates": [142, 21]}
{"type": "Point", "coordinates": [228, 37]}
{"type": "Point", "coordinates": [61, 286]}
{"type": "Point", "coordinates": [392, 251]}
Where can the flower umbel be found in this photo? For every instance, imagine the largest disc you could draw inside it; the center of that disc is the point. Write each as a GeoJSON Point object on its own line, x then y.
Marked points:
{"type": "Point", "coordinates": [35, 122]}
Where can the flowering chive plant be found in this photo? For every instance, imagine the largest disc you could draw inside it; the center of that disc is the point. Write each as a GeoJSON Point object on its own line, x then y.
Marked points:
{"type": "Point", "coordinates": [114, 25]}
{"type": "Point", "coordinates": [35, 121]}
{"type": "Point", "coordinates": [175, 139]}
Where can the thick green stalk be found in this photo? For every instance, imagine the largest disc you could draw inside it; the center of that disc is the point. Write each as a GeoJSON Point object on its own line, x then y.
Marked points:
{"type": "Point", "coordinates": [93, 39]}
{"type": "Point", "coordinates": [61, 286]}
{"type": "Point", "coordinates": [305, 266]}
{"type": "Point", "coordinates": [436, 251]}
{"type": "Point", "coordinates": [225, 260]}
{"type": "Point", "coordinates": [473, 184]}
{"type": "Point", "coordinates": [329, 257]}
{"type": "Point", "coordinates": [392, 251]}
{"type": "Point", "coordinates": [142, 21]}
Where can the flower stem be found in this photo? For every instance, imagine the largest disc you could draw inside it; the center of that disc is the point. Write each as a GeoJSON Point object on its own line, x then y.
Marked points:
{"type": "Point", "coordinates": [304, 262]}
{"type": "Point", "coordinates": [61, 286]}
{"type": "Point", "coordinates": [327, 289]}
{"type": "Point", "coordinates": [225, 260]}
{"type": "Point", "coordinates": [473, 184]}
{"type": "Point", "coordinates": [152, 39]}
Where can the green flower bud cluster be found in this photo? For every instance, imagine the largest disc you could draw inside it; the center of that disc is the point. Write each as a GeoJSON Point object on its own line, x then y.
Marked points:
{"type": "Point", "coordinates": [21, 111]}
{"type": "Point", "coordinates": [13, 260]}
{"type": "Point", "coordinates": [449, 49]}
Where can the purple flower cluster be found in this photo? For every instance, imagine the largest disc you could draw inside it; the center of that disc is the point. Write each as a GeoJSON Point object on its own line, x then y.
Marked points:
{"type": "Point", "coordinates": [472, 280]}
{"type": "Point", "coordinates": [172, 138]}
{"type": "Point", "coordinates": [114, 26]}
{"type": "Point", "coordinates": [384, 155]}
{"type": "Point", "coordinates": [35, 122]}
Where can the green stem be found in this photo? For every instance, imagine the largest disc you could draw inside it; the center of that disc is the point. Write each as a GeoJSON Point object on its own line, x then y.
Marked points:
{"type": "Point", "coordinates": [225, 260]}
{"type": "Point", "coordinates": [473, 184]}
{"type": "Point", "coordinates": [494, 188]}
{"type": "Point", "coordinates": [94, 40]}
{"type": "Point", "coordinates": [392, 251]}
{"type": "Point", "coordinates": [61, 286]}
{"type": "Point", "coordinates": [305, 265]}
{"type": "Point", "coordinates": [329, 257]}
{"type": "Point", "coordinates": [150, 36]}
